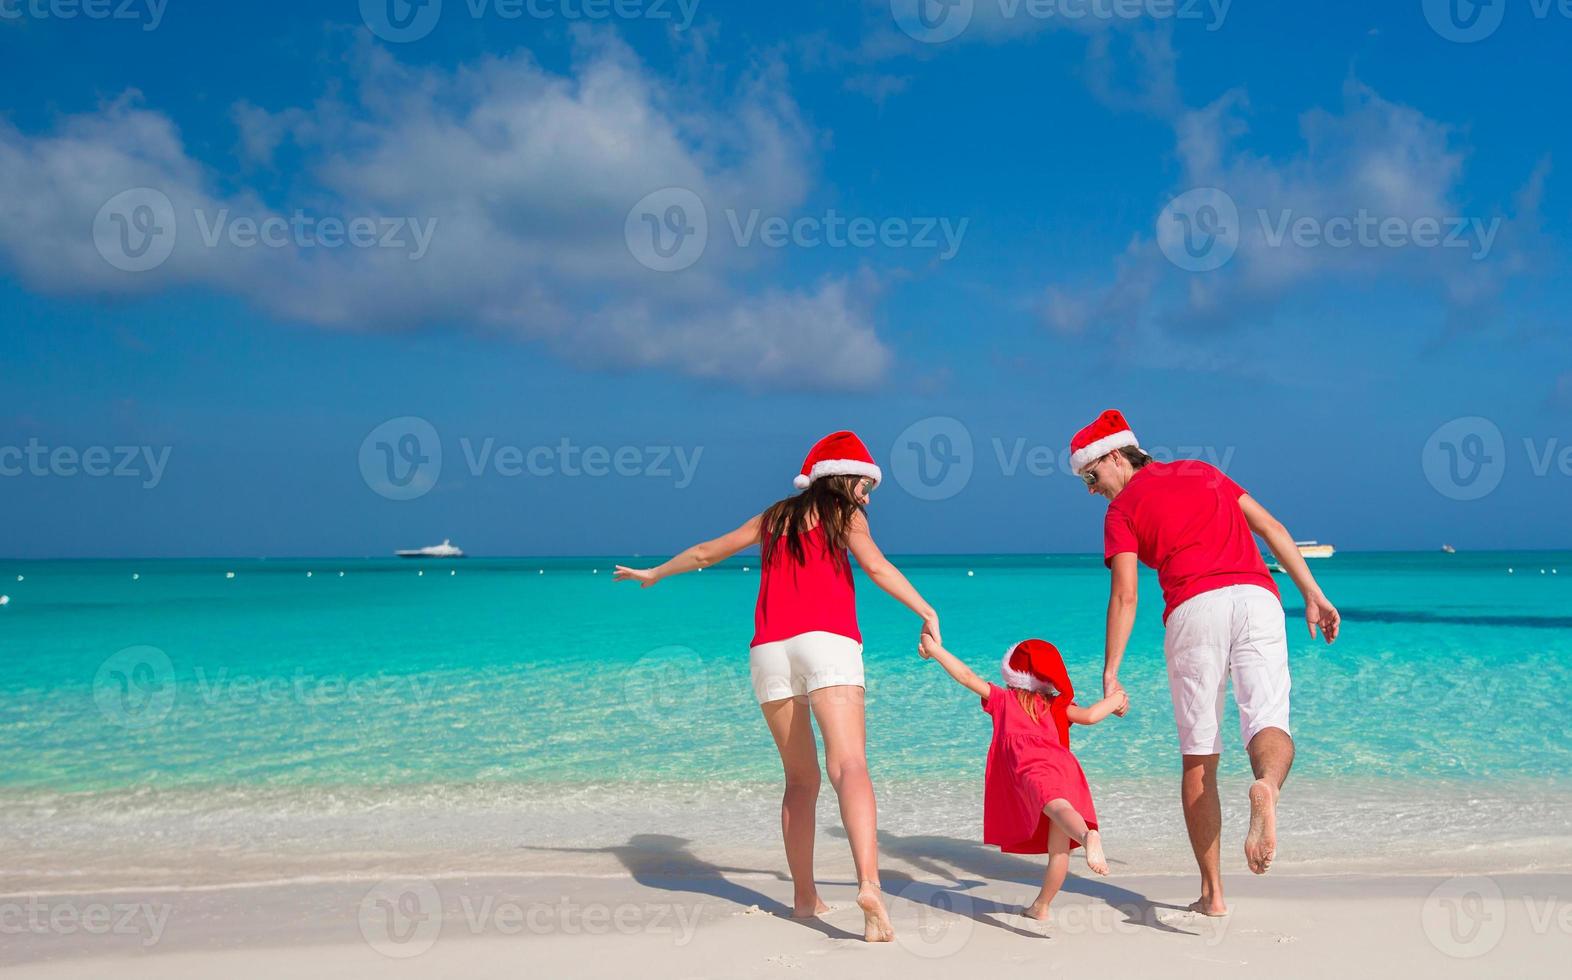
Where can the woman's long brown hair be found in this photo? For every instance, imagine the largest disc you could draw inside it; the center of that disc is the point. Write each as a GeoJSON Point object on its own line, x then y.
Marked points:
{"type": "Point", "coordinates": [831, 500]}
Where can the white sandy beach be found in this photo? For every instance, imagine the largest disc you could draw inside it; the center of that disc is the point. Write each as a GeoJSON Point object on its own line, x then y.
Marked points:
{"type": "Point", "coordinates": [955, 909]}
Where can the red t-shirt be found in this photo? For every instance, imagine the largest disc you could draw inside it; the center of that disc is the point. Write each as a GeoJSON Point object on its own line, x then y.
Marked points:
{"type": "Point", "coordinates": [1183, 519]}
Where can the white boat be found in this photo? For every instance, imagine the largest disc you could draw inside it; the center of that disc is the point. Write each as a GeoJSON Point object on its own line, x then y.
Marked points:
{"type": "Point", "coordinates": [1449, 549]}
{"type": "Point", "coordinates": [1314, 549]}
{"type": "Point", "coordinates": [447, 549]}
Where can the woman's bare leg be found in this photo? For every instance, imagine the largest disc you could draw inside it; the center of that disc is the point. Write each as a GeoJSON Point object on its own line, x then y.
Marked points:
{"type": "Point", "coordinates": [1065, 817]}
{"type": "Point", "coordinates": [793, 732]}
{"type": "Point", "coordinates": [1053, 878]}
{"type": "Point", "coordinates": [839, 711]}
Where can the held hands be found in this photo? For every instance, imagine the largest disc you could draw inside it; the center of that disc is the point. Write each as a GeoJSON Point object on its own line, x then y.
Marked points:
{"type": "Point", "coordinates": [1320, 613]}
{"type": "Point", "coordinates": [928, 646]}
{"type": "Point", "coordinates": [930, 627]}
{"type": "Point", "coordinates": [646, 577]}
{"type": "Point", "coordinates": [1112, 688]}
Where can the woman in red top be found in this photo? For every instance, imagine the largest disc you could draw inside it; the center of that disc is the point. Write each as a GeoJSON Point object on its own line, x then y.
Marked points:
{"type": "Point", "coordinates": [806, 655]}
{"type": "Point", "coordinates": [1035, 796]}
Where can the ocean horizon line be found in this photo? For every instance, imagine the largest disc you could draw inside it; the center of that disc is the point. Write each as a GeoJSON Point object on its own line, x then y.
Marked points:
{"type": "Point", "coordinates": [663, 556]}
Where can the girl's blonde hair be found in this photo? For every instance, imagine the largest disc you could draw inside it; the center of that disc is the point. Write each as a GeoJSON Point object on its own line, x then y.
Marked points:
{"type": "Point", "coordinates": [1032, 702]}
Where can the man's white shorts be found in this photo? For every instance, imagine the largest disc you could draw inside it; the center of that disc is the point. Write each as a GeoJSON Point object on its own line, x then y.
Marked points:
{"type": "Point", "coordinates": [1236, 630]}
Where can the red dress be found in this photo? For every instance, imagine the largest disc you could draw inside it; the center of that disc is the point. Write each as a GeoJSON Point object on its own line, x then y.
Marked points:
{"type": "Point", "coordinates": [1029, 766]}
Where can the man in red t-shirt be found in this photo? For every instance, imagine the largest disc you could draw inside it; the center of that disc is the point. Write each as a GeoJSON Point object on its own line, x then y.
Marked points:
{"type": "Point", "coordinates": [1222, 616]}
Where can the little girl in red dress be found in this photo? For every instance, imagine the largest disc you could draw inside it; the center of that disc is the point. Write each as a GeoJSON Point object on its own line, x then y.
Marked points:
{"type": "Point", "coordinates": [1035, 797]}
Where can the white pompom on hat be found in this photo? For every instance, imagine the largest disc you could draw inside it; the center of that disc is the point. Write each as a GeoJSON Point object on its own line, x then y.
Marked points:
{"type": "Point", "coordinates": [1097, 440]}
{"type": "Point", "coordinates": [837, 454]}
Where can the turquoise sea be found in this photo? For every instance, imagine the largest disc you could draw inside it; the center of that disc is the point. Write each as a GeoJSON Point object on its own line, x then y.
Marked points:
{"type": "Point", "coordinates": [167, 717]}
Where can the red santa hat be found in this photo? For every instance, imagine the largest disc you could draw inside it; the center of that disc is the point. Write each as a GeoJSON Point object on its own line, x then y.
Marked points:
{"type": "Point", "coordinates": [1035, 665]}
{"type": "Point", "coordinates": [837, 454]}
{"type": "Point", "coordinates": [1097, 440]}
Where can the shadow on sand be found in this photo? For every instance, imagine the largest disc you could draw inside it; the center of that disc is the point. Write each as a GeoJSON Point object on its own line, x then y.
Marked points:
{"type": "Point", "coordinates": [953, 857]}
{"type": "Point", "coordinates": [664, 862]}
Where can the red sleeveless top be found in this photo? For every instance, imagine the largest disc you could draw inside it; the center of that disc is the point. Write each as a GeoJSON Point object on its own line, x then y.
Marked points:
{"type": "Point", "coordinates": [816, 595]}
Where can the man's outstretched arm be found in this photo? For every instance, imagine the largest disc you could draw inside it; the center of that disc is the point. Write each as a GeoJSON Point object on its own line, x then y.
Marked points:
{"type": "Point", "coordinates": [1319, 611]}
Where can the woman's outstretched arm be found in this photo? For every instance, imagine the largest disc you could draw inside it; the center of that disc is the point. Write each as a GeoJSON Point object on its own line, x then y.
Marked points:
{"type": "Point", "coordinates": [886, 576]}
{"type": "Point", "coordinates": [699, 556]}
{"type": "Point", "coordinates": [964, 676]}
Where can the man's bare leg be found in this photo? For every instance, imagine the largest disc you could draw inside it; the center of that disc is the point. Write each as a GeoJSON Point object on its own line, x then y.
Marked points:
{"type": "Point", "coordinates": [1271, 756]}
{"type": "Point", "coordinates": [1203, 818]}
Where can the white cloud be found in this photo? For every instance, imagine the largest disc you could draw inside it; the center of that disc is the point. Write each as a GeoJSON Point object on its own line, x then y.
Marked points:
{"type": "Point", "coordinates": [528, 176]}
{"type": "Point", "coordinates": [1373, 158]}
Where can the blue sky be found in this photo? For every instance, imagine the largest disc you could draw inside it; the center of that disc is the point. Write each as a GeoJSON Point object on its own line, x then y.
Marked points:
{"type": "Point", "coordinates": [1022, 190]}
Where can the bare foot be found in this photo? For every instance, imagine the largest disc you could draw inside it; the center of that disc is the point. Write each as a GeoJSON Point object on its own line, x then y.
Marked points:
{"type": "Point", "coordinates": [809, 910]}
{"type": "Point", "coordinates": [876, 926]}
{"type": "Point", "coordinates": [1261, 841]}
{"type": "Point", "coordinates": [1094, 853]}
{"type": "Point", "coordinates": [1208, 906]}
{"type": "Point", "coordinates": [1037, 910]}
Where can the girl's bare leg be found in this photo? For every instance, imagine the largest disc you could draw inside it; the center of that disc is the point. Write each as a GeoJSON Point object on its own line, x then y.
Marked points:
{"type": "Point", "coordinates": [839, 711]}
{"type": "Point", "coordinates": [1053, 878]}
{"type": "Point", "coordinates": [793, 733]}
{"type": "Point", "coordinates": [1063, 815]}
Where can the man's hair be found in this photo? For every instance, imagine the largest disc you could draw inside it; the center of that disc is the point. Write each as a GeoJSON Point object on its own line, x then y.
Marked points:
{"type": "Point", "coordinates": [1134, 456]}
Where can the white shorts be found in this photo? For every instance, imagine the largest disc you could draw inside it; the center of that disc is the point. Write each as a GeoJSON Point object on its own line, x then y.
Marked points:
{"type": "Point", "coordinates": [1236, 630]}
{"type": "Point", "coordinates": [803, 663]}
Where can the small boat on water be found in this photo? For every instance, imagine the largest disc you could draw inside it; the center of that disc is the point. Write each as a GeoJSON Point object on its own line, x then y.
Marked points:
{"type": "Point", "coordinates": [1315, 549]}
{"type": "Point", "coordinates": [447, 549]}
{"type": "Point", "coordinates": [1449, 549]}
